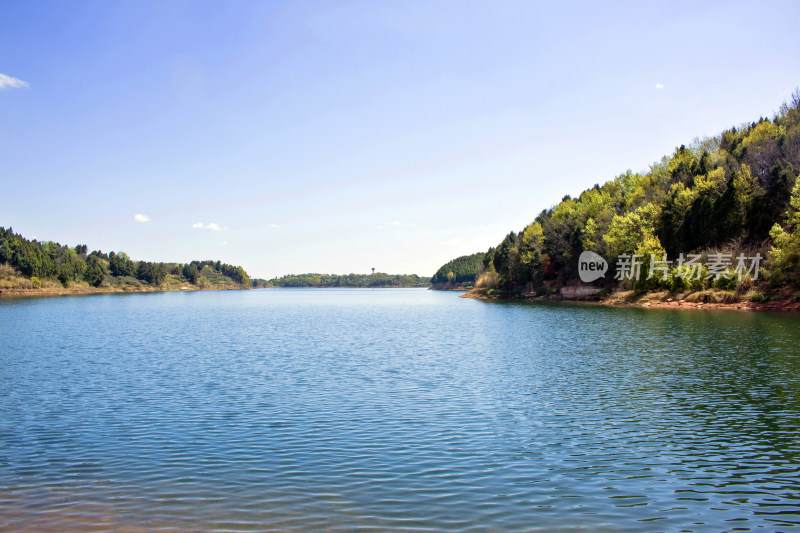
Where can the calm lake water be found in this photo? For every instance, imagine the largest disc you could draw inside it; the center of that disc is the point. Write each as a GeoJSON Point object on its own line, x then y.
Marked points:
{"type": "Point", "coordinates": [393, 409]}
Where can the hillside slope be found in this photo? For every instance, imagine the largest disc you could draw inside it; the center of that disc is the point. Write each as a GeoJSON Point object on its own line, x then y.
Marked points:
{"type": "Point", "coordinates": [722, 213]}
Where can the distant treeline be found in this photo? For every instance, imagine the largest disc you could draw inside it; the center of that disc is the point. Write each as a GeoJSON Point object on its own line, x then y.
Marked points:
{"type": "Point", "coordinates": [50, 261]}
{"type": "Point", "coordinates": [379, 279]}
{"type": "Point", "coordinates": [736, 192]}
{"type": "Point", "coordinates": [462, 270]}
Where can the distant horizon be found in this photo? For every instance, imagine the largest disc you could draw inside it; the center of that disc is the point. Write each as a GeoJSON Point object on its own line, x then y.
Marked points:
{"type": "Point", "coordinates": [294, 138]}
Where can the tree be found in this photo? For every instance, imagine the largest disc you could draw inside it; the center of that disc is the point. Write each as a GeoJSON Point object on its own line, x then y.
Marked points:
{"type": "Point", "coordinates": [191, 273]}
{"type": "Point", "coordinates": [530, 254]}
{"type": "Point", "coordinates": [242, 277]}
{"type": "Point", "coordinates": [121, 265]}
{"type": "Point", "coordinates": [95, 271]}
{"type": "Point", "coordinates": [506, 260]}
{"type": "Point", "coordinates": [649, 249]}
{"type": "Point", "coordinates": [784, 256]}
{"type": "Point", "coordinates": [465, 269]}
{"type": "Point", "coordinates": [626, 233]}
{"type": "Point", "coordinates": [153, 273]}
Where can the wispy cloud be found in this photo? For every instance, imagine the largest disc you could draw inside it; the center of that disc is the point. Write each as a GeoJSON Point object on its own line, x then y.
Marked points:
{"type": "Point", "coordinates": [224, 243]}
{"type": "Point", "coordinates": [141, 218]}
{"type": "Point", "coordinates": [10, 82]}
{"type": "Point", "coordinates": [659, 86]}
{"type": "Point", "coordinates": [273, 225]}
{"type": "Point", "coordinates": [213, 226]}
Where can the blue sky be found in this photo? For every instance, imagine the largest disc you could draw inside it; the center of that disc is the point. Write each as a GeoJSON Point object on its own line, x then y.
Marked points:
{"type": "Point", "coordinates": [334, 137]}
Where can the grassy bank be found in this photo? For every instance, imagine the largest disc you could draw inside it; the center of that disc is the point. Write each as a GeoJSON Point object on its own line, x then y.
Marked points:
{"type": "Point", "coordinates": [702, 299]}
{"type": "Point", "coordinates": [13, 283]}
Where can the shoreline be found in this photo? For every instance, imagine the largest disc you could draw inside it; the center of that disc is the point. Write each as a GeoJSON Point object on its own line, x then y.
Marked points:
{"type": "Point", "coordinates": [649, 301]}
{"type": "Point", "coordinates": [80, 291]}
{"type": "Point", "coordinates": [349, 287]}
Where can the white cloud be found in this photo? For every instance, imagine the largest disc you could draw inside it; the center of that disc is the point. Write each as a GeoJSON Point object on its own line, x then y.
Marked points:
{"type": "Point", "coordinates": [9, 82]}
{"type": "Point", "coordinates": [378, 227]}
{"type": "Point", "coordinates": [659, 86]}
{"type": "Point", "coordinates": [224, 243]}
{"type": "Point", "coordinates": [451, 242]}
{"type": "Point", "coordinates": [274, 225]}
{"type": "Point", "coordinates": [213, 226]}
{"type": "Point", "coordinates": [141, 218]}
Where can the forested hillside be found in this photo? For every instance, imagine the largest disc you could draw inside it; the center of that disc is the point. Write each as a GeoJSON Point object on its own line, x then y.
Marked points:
{"type": "Point", "coordinates": [460, 271]}
{"type": "Point", "coordinates": [736, 194]}
{"type": "Point", "coordinates": [29, 264]}
{"type": "Point", "coordinates": [376, 280]}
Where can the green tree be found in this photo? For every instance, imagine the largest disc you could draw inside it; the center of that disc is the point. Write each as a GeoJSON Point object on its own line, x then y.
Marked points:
{"type": "Point", "coordinates": [784, 256]}
{"type": "Point", "coordinates": [191, 273]}
{"type": "Point", "coordinates": [506, 260]}
{"type": "Point", "coordinates": [95, 271]}
{"type": "Point", "coordinates": [465, 269]}
{"type": "Point", "coordinates": [530, 254]}
{"type": "Point", "coordinates": [121, 265]}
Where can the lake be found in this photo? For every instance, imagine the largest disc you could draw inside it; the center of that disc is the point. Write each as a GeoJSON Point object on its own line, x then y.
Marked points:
{"type": "Point", "coordinates": [393, 409]}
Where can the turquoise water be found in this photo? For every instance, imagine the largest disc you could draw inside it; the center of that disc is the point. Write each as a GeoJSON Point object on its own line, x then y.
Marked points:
{"type": "Point", "coordinates": [393, 409]}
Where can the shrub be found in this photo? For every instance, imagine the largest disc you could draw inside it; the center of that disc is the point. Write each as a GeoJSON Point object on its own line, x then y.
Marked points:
{"type": "Point", "coordinates": [711, 296]}
{"type": "Point", "coordinates": [681, 278]}
{"type": "Point", "coordinates": [726, 282]}
{"type": "Point", "coordinates": [487, 280]}
{"type": "Point", "coordinates": [650, 249]}
{"type": "Point", "coordinates": [755, 296]}
{"type": "Point", "coordinates": [745, 284]}
{"type": "Point", "coordinates": [545, 290]}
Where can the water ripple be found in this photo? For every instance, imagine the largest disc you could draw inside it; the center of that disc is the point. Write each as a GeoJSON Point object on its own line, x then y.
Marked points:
{"type": "Point", "coordinates": [393, 410]}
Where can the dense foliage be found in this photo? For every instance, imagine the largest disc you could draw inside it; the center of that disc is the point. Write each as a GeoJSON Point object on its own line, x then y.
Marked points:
{"type": "Point", "coordinates": [464, 269]}
{"type": "Point", "coordinates": [735, 192]}
{"type": "Point", "coordinates": [785, 254]}
{"type": "Point", "coordinates": [42, 261]}
{"type": "Point", "coordinates": [376, 280]}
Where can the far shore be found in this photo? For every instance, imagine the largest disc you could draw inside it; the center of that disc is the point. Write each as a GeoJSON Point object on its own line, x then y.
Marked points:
{"type": "Point", "coordinates": [129, 289]}
{"type": "Point", "coordinates": [652, 300]}
{"type": "Point", "coordinates": [81, 290]}
{"type": "Point", "coordinates": [347, 287]}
